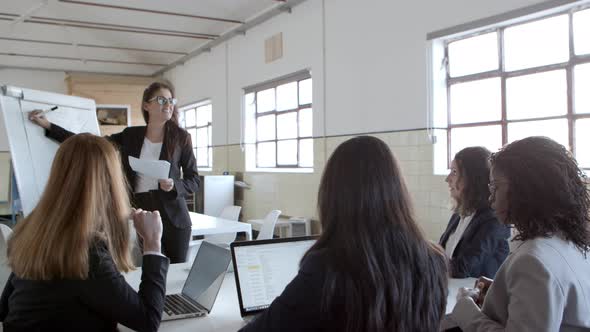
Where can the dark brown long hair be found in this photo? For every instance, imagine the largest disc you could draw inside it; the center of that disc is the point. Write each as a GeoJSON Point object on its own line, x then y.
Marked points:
{"type": "Point", "coordinates": [172, 129]}
{"type": "Point", "coordinates": [474, 174]}
{"type": "Point", "coordinates": [382, 274]}
{"type": "Point", "coordinates": [547, 194]}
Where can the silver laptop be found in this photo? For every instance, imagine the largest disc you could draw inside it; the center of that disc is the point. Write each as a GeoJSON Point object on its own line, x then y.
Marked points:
{"type": "Point", "coordinates": [264, 268]}
{"type": "Point", "coordinates": [202, 285]}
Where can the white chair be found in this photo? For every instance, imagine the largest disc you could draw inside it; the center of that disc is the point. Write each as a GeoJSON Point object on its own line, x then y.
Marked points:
{"type": "Point", "coordinates": [268, 226]}
{"type": "Point", "coordinates": [229, 213]}
{"type": "Point", "coordinates": [4, 268]}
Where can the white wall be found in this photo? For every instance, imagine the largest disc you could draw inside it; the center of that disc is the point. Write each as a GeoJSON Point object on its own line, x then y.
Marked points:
{"type": "Point", "coordinates": [51, 81]}
{"type": "Point", "coordinates": [368, 61]}
{"type": "Point", "coordinates": [375, 61]}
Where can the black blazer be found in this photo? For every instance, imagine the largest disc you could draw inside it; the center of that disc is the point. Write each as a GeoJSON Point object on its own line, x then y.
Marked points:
{"type": "Point", "coordinates": [482, 248]}
{"type": "Point", "coordinates": [95, 304]}
{"type": "Point", "coordinates": [129, 142]}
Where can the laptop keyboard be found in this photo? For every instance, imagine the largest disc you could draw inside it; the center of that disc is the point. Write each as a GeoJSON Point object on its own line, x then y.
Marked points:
{"type": "Point", "coordinates": [175, 304]}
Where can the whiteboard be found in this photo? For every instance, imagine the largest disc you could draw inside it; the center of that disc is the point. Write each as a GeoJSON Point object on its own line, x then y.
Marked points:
{"type": "Point", "coordinates": [31, 152]}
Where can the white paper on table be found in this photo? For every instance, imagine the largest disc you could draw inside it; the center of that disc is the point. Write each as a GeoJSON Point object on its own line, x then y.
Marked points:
{"type": "Point", "coordinates": [156, 169]}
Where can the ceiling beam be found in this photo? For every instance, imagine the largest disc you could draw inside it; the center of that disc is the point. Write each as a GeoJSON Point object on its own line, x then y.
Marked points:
{"type": "Point", "coordinates": [80, 59]}
{"type": "Point", "coordinates": [91, 46]}
{"type": "Point", "coordinates": [110, 27]}
{"type": "Point", "coordinates": [151, 11]}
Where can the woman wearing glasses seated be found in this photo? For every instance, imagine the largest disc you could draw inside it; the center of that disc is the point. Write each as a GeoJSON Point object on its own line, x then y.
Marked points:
{"type": "Point", "coordinates": [161, 139]}
{"type": "Point", "coordinates": [475, 242]}
{"type": "Point", "coordinates": [543, 285]}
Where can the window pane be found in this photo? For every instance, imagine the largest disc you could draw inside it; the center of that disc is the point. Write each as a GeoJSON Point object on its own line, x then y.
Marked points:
{"type": "Point", "coordinates": [305, 123]}
{"type": "Point", "coordinates": [306, 153]}
{"type": "Point", "coordinates": [202, 137]}
{"type": "Point", "coordinates": [202, 155]}
{"type": "Point", "coordinates": [473, 55]}
{"type": "Point", "coordinates": [582, 88]}
{"type": "Point", "coordinates": [265, 100]}
{"type": "Point", "coordinates": [537, 43]}
{"type": "Point", "coordinates": [287, 96]}
{"type": "Point", "coordinates": [210, 157]}
{"type": "Point", "coordinates": [287, 125]}
{"type": "Point", "coordinates": [476, 101]}
{"type": "Point", "coordinates": [204, 115]}
{"type": "Point", "coordinates": [210, 135]}
{"type": "Point", "coordinates": [250, 119]}
{"type": "Point", "coordinates": [190, 118]}
{"type": "Point", "coordinates": [181, 119]}
{"type": "Point", "coordinates": [287, 151]}
{"type": "Point", "coordinates": [266, 154]}
{"type": "Point", "coordinates": [582, 32]}
{"type": "Point", "coordinates": [537, 95]}
{"type": "Point", "coordinates": [265, 128]}
{"type": "Point", "coordinates": [489, 137]}
{"type": "Point", "coordinates": [193, 133]}
{"type": "Point", "coordinates": [305, 92]}
{"type": "Point", "coordinates": [554, 129]}
{"type": "Point", "coordinates": [583, 142]}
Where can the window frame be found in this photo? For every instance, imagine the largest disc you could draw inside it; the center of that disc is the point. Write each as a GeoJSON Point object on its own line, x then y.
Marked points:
{"type": "Point", "coordinates": [568, 66]}
{"type": "Point", "coordinates": [274, 85]}
{"type": "Point", "coordinates": [209, 126]}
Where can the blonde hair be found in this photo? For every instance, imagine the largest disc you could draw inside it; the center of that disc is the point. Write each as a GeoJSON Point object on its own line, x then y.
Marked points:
{"type": "Point", "coordinates": [85, 200]}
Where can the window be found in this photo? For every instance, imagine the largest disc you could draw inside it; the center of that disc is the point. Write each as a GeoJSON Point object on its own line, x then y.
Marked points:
{"type": "Point", "coordinates": [196, 119]}
{"type": "Point", "coordinates": [279, 123]}
{"type": "Point", "coordinates": [525, 79]}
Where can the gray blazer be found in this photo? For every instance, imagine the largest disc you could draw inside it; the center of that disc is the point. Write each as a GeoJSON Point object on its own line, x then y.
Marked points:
{"type": "Point", "coordinates": [544, 285]}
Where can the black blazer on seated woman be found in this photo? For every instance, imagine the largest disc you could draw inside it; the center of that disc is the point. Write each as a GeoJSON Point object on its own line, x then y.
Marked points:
{"type": "Point", "coordinates": [482, 248]}
{"type": "Point", "coordinates": [129, 142]}
{"type": "Point", "coordinates": [95, 304]}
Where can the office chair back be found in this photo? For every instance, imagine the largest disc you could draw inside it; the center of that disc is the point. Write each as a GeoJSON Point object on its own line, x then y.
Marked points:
{"type": "Point", "coordinates": [268, 226]}
{"type": "Point", "coordinates": [231, 212]}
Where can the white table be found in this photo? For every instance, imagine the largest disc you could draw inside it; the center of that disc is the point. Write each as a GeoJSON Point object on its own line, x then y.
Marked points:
{"type": "Point", "coordinates": [225, 315]}
{"type": "Point", "coordinates": [208, 225]}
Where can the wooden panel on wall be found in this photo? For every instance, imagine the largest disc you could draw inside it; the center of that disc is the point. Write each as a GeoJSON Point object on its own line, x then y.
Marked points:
{"type": "Point", "coordinates": [111, 89]}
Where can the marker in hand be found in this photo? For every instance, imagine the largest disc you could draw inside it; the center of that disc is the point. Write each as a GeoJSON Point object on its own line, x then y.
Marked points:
{"type": "Point", "coordinates": [47, 111]}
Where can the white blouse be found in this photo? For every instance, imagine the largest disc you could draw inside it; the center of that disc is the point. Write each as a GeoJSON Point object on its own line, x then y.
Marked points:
{"type": "Point", "coordinates": [149, 151]}
{"type": "Point", "coordinates": [457, 235]}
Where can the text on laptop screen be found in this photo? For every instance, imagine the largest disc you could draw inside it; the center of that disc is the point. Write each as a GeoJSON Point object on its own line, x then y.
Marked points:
{"type": "Point", "coordinates": [265, 270]}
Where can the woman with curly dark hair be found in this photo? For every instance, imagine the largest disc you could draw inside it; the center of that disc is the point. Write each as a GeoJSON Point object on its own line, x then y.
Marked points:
{"type": "Point", "coordinates": [544, 285]}
{"type": "Point", "coordinates": [475, 242]}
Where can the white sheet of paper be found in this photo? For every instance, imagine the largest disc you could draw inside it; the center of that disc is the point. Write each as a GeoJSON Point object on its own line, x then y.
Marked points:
{"type": "Point", "coordinates": [156, 169]}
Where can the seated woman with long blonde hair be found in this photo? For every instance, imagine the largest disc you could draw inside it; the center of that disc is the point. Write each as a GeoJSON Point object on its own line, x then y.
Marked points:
{"type": "Point", "coordinates": [68, 254]}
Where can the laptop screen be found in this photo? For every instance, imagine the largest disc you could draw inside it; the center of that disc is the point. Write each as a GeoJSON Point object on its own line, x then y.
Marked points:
{"type": "Point", "coordinates": [264, 268]}
{"type": "Point", "coordinates": [206, 275]}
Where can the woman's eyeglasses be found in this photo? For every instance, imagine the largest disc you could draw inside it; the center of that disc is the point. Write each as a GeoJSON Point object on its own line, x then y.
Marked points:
{"type": "Point", "coordinates": [163, 100]}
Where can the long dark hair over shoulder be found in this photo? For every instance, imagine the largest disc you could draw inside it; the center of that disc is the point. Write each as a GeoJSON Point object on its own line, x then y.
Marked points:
{"type": "Point", "coordinates": [382, 274]}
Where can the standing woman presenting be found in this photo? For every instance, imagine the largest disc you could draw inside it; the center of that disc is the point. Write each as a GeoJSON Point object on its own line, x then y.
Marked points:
{"type": "Point", "coordinates": [161, 139]}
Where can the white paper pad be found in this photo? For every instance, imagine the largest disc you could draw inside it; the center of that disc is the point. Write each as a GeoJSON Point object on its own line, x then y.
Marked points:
{"type": "Point", "coordinates": [156, 169]}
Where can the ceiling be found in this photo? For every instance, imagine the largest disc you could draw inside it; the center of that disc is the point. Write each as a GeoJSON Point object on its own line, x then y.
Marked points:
{"type": "Point", "coordinates": [131, 37]}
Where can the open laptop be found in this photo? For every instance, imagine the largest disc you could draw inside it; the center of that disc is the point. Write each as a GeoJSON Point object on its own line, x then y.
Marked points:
{"type": "Point", "coordinates": [264, 268]}
{"type": "Point", "coordinates": [201, 286]}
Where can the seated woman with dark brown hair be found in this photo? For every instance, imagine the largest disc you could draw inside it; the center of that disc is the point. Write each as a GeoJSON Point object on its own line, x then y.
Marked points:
{"type": "Point", "coordinates": [475, 242]}
{"type": "Point", "coordinates": [68, 254]}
